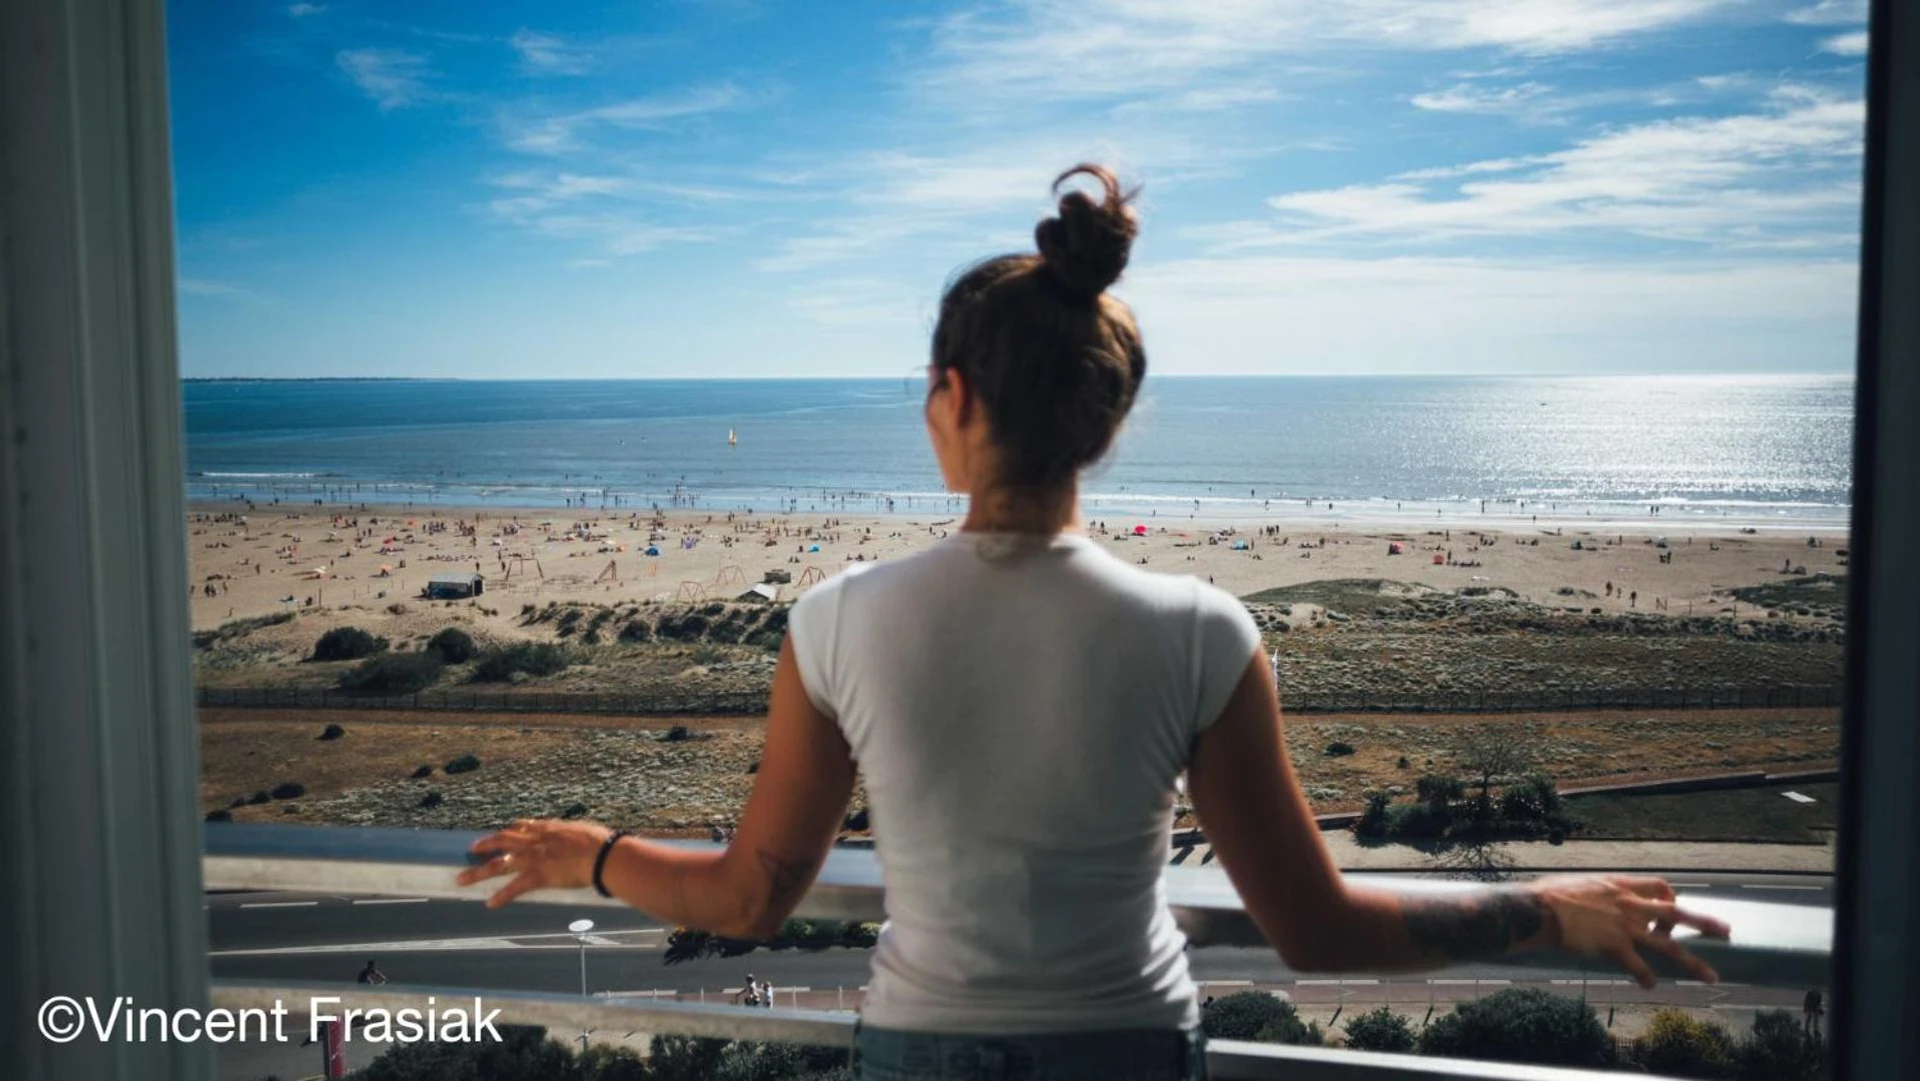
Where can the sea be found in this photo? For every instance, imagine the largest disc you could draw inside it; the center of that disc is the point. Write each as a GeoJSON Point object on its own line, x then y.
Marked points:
{"type": "Point", "coordinates": [1767, 452]}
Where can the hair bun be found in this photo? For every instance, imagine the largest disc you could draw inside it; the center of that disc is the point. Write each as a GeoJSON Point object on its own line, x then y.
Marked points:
{"type": "Point", "coordinates": [1086, 246]}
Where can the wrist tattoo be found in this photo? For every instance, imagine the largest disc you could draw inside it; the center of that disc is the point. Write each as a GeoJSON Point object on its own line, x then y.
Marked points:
{"type": "Point", "coordinates": [1473, 927]}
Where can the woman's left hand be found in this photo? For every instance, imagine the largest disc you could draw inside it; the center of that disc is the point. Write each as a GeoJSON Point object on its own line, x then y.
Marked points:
{"type": "Point", "coordinates": [541, 854]}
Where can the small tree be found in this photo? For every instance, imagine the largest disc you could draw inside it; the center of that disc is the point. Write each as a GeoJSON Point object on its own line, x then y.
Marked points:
{"type": "Point", "coordinates": [1779, 1049]}
{"type": "Point", "coordinates": [1373, 821]}
{"type": "Point", "coordinates": [454, 646]}
{"type": "Point", "coordinates": [1521, 1025]}
{"type": "Point", "coordinates": [393, 673]}
{"type": "Point", "coordinates": [1683, 1046]}
{"type": "Point", "coordinates": [347, 644]}
{"type": "Point", "coordinates": [534, 659]}
{"type": "Point", "coordinates": [1380, 1030]}
{"type": "Point", "coordinates": [1244, 1015]}
{"type": "Point", "coordinates": [1487, 753]}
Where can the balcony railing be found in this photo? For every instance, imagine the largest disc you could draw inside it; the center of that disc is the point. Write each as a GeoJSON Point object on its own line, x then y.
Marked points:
{"type": "Point", "coordinates": [1778, 945]}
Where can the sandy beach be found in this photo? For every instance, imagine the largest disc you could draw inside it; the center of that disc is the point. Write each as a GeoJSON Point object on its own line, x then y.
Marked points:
{"type": "Point", "coordinates": [269, 559]}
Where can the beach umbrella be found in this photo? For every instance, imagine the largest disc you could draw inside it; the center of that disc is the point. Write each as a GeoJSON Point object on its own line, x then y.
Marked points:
{"type": "Point", "coordinates": [1139, 531]}
{"type": "Point", "coordinates": [652, 551]}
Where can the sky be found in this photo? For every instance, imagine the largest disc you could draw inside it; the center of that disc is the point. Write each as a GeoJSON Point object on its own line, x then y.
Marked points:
{"type": "Point", "coordinates": [754, 188]}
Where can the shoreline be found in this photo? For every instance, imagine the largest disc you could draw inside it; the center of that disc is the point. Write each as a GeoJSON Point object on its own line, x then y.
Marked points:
{"type": "Point", "coordinates": [1356, 516]}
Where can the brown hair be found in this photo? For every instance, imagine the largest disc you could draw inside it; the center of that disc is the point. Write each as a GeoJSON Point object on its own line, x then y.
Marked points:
{"type": "Point", "coordinates": [1054, 361]}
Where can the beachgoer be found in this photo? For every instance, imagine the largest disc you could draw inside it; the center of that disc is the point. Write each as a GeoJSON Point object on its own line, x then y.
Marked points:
{"type": "Point", "coordinates": [1811, 1008]}
{"type": "Point", "coordinates": [370, 974]}
{"type": "Point", "coordinates": [1027, 914]}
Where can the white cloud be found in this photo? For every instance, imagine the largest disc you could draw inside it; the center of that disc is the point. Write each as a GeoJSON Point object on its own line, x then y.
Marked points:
{"type": "Point", "coordinates": [1448, 172]}
{"type": "Point", "coordinates": [1854, 44]}
{"type": "Point", "coordinates": [556, 134]}
{"type": "Point", "coordinates": [302, 10]}
{"type": "Point", "coordinates": [1346, 315]}
{"type": "Point", "coordinates": [1703, 180]}
{"type": "Point", "coordinates": [545, 54]}
{"type": "Point", "coordinates": [861, 302]}
{"type": "Point", "coordinates": [1060, 50]}
{"type": "Point", "coordinates": [611, 228]}
{"type": "Point", "coordinates": [1831, 13]}
{"type": "Point", "coordinates": [207, 287]}
{"type": "Point", "coordinates": [392, 77]}
{"type": "Point", "coordinates": [1472, 98]}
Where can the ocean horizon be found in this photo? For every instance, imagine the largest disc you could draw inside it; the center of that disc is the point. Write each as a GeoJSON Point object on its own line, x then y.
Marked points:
{"type": "Point", "coordinates": [1765, 450]}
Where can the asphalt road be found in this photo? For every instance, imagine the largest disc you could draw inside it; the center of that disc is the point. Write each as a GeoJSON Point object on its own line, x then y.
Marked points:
{"type": "Point", "coordinates": [328, 937]}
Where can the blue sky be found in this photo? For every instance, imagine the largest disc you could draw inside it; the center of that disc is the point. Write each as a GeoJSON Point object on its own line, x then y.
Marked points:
{"type": "Point", "coordinates": [756, 188]}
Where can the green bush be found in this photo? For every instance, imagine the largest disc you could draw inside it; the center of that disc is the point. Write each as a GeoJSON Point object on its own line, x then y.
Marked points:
{"type": "Point", "coordinates": [1380, 1030]}
{"type": "Point", "coordinates": [1290, 1029]}
{"type": "Point", "coordinates": [857, 935]}
{"type": "Point", "coordinates": [238, 628]}
{"type": "Point", "coordinates": [603, 1063]}
{"type": "Point", "coordinates": [466, 763]}
{"type": "Point", "coordinates": [347, 644]}
{"type": "Point", "coordinates": [288, 790]}
{"type": "Point", "coordinates": [1521, 1025]}
{"type": "Point", "coordinates": [1244, 1015]}
{"type": "Point", "coordinates": [1338, 749]}
{"type": "Point", "coordinates": [454, 646]}
{"type": "Point", "coordinates": [1421, 820]}
{"type": "Point", "coordinates": [393, 673]}
{"type": "Point", "coordinates": [523, 1054]}
{"type": "Point", "coordinates": [1439, 789]}
{"type": "Point", "coordinates": [1534, 799]}
{"type": "Point", "coordinates": [1678, 1045]}
{"type": "Point", "coordinates": [1779, 1049]}
{"type": "Point", "coordinates": [1373, 821]}
{"type": "Point", "coordinates": [530, 658]}
{"type": "Point", "coordinates": [686, 944]}
{"type": "Point", "coordinates": [636, 631]}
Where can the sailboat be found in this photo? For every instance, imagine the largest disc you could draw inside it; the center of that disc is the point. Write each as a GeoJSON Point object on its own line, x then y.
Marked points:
{"type": "Point", "coordinates": [732, 440]}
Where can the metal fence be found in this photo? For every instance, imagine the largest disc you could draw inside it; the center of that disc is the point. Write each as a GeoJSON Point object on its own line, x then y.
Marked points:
{"type": "Point", "coordinates": [681, 703]}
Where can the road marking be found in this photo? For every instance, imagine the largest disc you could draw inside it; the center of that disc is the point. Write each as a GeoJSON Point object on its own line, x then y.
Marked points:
{"type": "Point", "coordinates": [1470, 983]}
{"type": "Point", "coordinates": [1337, 983]}
{"type": "Point", "coordinates": [1210, 983]}
{"type": "Point", "coordinates": [1755, 886]}
{"type": "Point", "coordinates": [392, 900]}
{"type": "Point", "coordinates": [1799, 798]}
{"type": "Point", "coordinates": [1690, 885]}
{"type": "Point", "coordinates": [280, 904]}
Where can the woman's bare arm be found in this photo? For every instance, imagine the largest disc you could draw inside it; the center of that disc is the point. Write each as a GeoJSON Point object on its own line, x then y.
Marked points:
{"type": "Point", "coordinates": [1257, 819]}
{"type": "Point", "coordinates": [799, 798]}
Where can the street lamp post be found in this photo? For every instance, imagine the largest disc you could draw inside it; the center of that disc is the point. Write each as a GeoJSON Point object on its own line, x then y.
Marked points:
{"type": "Point", "coordinates": [579, 928]}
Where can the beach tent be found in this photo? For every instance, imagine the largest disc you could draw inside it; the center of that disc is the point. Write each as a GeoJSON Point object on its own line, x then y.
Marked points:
{"type": "Point", "coordinates": [813, 547]}
{"type": "Point", "coordinates": [1139, 531]}
{"type": "Point", "coordinates": [1240, 545]}
{"type": "Point", "coordinates": [1438, 559]}
{"type": "Point", "coordinates": [652, 550]}
{"type": "Point", "coordinates": [1394, 548]}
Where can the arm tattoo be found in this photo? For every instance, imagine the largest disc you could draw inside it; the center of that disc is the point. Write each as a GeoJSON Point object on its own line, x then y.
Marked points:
{"type": "Point", "coordinates": [787, 880]}
{"type": "Point", "coordinates": [1472, 927]}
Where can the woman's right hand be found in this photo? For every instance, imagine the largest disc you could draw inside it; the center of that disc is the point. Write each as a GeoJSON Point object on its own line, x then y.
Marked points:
{"type": "Point", "coordinates": [1616, 916]}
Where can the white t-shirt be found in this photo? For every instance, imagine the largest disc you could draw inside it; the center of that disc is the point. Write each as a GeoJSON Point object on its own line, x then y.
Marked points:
{"type": "Point", "coordinates": [1020, 707]}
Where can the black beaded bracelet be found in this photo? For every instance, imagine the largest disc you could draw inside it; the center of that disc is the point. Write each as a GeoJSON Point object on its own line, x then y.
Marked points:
{"type": "Point", "coordinates": [600, 862]}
